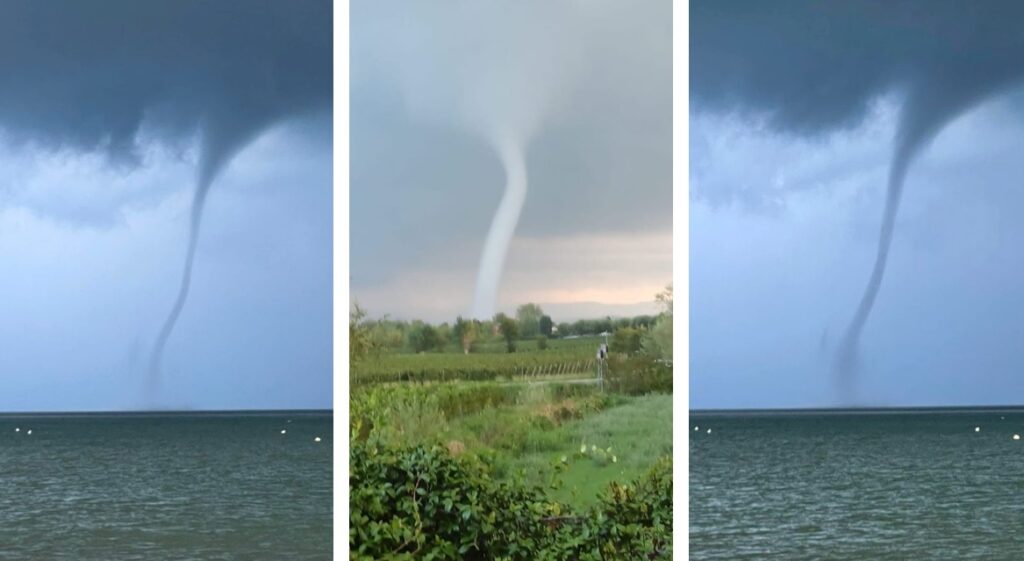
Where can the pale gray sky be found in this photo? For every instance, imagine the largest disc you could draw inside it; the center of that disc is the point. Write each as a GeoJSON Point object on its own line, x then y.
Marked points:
{"type": "Point", "coordinates": [597, 223]}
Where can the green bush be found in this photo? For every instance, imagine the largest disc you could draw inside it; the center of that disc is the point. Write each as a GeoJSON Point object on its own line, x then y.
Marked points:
{"type": "Point", "coordinates": [626, 340]}
{"type": "Point", "coordinates": [402, 412]}
{"type": "Point", "coordinates": [423, 337]}
{"type": "Point", "coordinates": [502, 416]}
{"type": "Point", "coordinates": [420, 503]}
{"type": "Point", "coordinates": [639, 375]}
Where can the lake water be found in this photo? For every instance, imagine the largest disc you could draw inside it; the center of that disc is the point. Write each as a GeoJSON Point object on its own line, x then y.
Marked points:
{"type": "Point", "coordinates": [169, 486]}
{"type": "Point", "coordinates": [882, 485]}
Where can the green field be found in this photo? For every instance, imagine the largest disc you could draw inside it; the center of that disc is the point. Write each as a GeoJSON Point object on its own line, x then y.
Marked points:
{"type": "Point", "coordinates": [511, 455]}
{"type": "Point", "coordinates": [490, 361]}
{"type": "Point", "coordinates": [528, 430]}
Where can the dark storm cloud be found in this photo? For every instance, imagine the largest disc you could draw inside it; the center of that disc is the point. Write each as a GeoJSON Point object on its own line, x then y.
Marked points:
{"type": "Point", "coordinates": [90, 75]}
{"type": "Point", "coordinates": [812, 67]}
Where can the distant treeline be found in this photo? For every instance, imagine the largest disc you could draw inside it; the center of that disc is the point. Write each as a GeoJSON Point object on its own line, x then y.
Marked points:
{"type": "Point", "coordinates": [472, 335]}
{"type": "Point", "coordinates": [504, 333]}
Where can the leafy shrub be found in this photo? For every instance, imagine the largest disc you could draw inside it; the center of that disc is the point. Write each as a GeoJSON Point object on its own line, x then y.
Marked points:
{"type": "Point", "coordinates": [401, 412]}
{"type": "Point", "coordinates": [420, 503]}
{"type": "Point", "coordinates": [638, 375]}
{"type": "Point", "coordinates": [424, 337]}
{"type": "Point", "coordinates": [637, 517]}
{"type": "Point", "coordinates": [626, 340]}
{"type": "Point", "coordinates": [570, 391]}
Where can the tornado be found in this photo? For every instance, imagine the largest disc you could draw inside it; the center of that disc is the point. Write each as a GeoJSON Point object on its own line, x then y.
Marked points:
{"type": "Point", "coordinates": [220, 143]}
{"type": "Point", "coordinates": [195, 220]}
{"type": "Point", "coordinates": [503, 226]}
{"type": "Point", "coordinates": [931, 105]}
{"type": "Point", "coordinates": [847, 360]}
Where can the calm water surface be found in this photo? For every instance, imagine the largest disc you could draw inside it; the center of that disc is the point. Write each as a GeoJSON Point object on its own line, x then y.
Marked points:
{"type": "Point", "coordinates": [174, 486]}
{"type": "Point", "coordinates": [891, 485]}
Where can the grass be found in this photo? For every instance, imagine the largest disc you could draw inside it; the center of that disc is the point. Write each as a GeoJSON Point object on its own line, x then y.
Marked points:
{"type": "Point", "coordinates": [532, 427]}
{"type": "Point", "coordinates": [472, 367]}
{"type": "Point", "coordinates": [638, 432]}
{"type": "Point", "coordinates": [529, 439]}
{"type": "Point", "coordinates": [488, 361]}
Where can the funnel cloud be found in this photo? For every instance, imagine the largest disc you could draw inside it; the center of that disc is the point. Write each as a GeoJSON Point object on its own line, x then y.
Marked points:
{"type": "Point", "coordinates": [812, 70]}
{"type": "Point", "coordinates": [501, 72]}
{"type": "Point", "coordinates": [452, 100]}
{"type": "Point", "coordinates": [219, 143]}
{"type": "Point", "coordinates": [119, 76]}
{"type": "Point", "coordinates": [492, 263]}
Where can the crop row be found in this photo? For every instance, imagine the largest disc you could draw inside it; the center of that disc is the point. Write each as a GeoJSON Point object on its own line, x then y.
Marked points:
{"type": "Point", "coordinates": [449, 367]}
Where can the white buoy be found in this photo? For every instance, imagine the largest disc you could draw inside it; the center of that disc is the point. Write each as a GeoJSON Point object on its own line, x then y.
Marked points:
{"type": "Point", "coordinates": [695, 429]}
{"type": "Point", "coordinates": [283, 431]}
{"type": "Point", "coordinates": [29, 431]}
{"type": "Point", "coordinates": [317, 439]}
{"type": "Point", "coordinates": [1016, 437]}
{"type": "Point", "coordinates": [17, 429]}
{"type": "Point", "coordinates": [977, 429]}
{"type": "Point", "coordinates": [709, 431]}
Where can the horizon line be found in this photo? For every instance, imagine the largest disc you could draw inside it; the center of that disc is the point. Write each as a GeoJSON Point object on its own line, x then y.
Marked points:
{"type": "Point", "coordinates": [858, 409]}
{"type": "Point", "coordinates": [303, 411]}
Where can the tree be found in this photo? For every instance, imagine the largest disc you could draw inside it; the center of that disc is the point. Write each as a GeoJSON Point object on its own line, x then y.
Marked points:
{"type": "Point", "coordinates": [509, 331]}
{"type": "Point", "coordinates": [564, 329]}
{"type": "Point", "coordinates": [359, 342]}
{"type": "Point", "coordinates": [528, 316]}
{"type": "Point", "coordinates": [665, 298]}
{"type": "Point", "coordinates": [545, 325]}
{"type": "Point", "coordinates": [422, 337]}
{"type": "Point", "coordinates": [542, 343]}
{"type": "Point", "coordinates": [444, 335]}
{"type": "Point", "coordinates": [626, 340]}
{"type": "Point", "coordinates": [658, 342]}
{"type": "Point", "coordinates": [644, 321]}
{"type": "Point", "coordinates": [581, 327]}
{"type": "Point", "coordinates": [466, 333]}
{"type": "Point", "coordinates": [385, 334]}
{"type": "Point", "coordinates": [486, 330]}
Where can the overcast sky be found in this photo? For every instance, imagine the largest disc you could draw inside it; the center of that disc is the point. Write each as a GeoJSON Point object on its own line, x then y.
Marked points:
{"type": "Point", "coordinates": [794, 118]}
{"type": "Point", "coordinates": [106, 111]}
{"type": "Point", "coordinates": [593, 79]}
